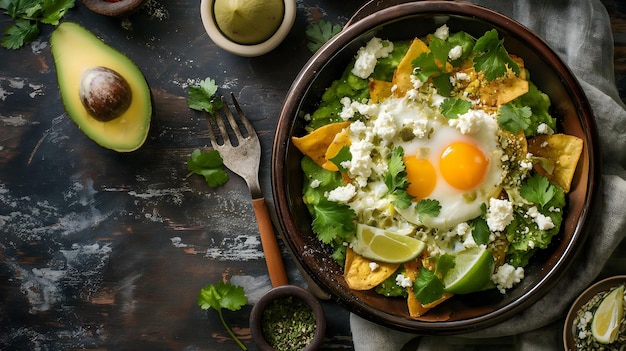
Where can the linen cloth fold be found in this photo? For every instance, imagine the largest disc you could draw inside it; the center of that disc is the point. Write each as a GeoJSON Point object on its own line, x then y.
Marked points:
{"type": "Point", "coordinates": [580, 32]}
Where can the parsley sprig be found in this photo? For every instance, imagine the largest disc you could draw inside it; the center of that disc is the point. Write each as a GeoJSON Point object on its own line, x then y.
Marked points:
{"type": "Point", "coordinates": [220, 296]}
{"type": "Point", "coordinates": [319, 33]}
{"type": "Point", "coordinates": [27, 15]}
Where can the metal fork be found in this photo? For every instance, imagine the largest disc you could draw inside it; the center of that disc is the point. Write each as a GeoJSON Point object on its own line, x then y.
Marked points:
{"type": "Point", "coordinates": [243, 159]}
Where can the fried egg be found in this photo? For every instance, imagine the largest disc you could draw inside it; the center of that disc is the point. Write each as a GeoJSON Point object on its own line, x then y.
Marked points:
{"type": "Point", "coordinates": [447, 161]}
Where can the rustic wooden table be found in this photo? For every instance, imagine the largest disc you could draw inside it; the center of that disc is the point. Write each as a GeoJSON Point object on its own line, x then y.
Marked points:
{"type": "Point", "coordinates": [108, 251]}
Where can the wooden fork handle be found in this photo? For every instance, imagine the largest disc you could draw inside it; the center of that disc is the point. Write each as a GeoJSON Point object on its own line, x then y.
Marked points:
{"type": "Point", "coordinates": [273, 257]}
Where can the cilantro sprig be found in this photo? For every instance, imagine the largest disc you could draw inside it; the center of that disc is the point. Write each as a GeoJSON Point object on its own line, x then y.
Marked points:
{"type": "Point", "coordinates": [220, 296]}
{"type": "Point", "coordinates": [433, 65]}
{"type": "Point", "coordinates": [514, 118]}
{"type": "Point", "coordinates": [208, 164]}
{"type": "Point", "coordinates": [27, 15]}
{"type": "Point", "coordinates": [334, 222]}
{"type": "Point", "coordinates": [538, 189]}
{"type": "Point", "coordinates": [451, 108]}
{"type": "Point", "coordinates": [319, 33]}
{"type": "Point", "coordinates": [427, 207]}
{"type": "Point", "coordinates": [202, 96]}
{"type": "Point", "coordinates": [396, 179]}
{"type": "Point", "coordinates": [492, 57]}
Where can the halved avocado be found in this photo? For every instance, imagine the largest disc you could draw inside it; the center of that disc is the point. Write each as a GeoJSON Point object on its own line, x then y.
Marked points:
{"type": "Point", "coordinates": [78, 53]}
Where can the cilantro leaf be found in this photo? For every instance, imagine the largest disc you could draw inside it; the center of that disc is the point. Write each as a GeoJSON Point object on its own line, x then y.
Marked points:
{"type": "Point", "coordinates": [428, 207]}
{"type": "Point", "coordinates": [493, 58]}
{"type": "Point", "coordinates": [480, 231]}
{"type": "Point", "coordinates": [220, 296]}
{"type": "Point", "coordinates": [452, 107]}
{"type": "Point", "coordinates": [202, 96]}
{"type": "Point", "coordinates": [514, 118]}
{"type": "Point", "coordinates": [426, 66]}
{"type": "Point", "coordinates": [343, 155]}
{"type": "Point", "coordinates": [396, 179]}
{"type": "Point", "coordinates": [333, 221]}
{"type": "Point", "coordinates": [208, 164]}
{"type": "Point", "coordinates": [27, 15]}
{"type": "Point", "coordinates": [427, 286]}
{"type": "Point", "coordinates": [445, 262]}
{"type": "Point", "coordinates": [319, 33]}
{"type": "Point", "coordinates": [538, 189]}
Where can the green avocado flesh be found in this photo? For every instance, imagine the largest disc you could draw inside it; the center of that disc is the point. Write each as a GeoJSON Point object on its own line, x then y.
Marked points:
{"type": "Point", "coordinates": [125, 120]}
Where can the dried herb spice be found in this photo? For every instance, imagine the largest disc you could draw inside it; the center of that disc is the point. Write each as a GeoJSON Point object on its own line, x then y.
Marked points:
{"type": "Point", "coordinates": [288, 324]}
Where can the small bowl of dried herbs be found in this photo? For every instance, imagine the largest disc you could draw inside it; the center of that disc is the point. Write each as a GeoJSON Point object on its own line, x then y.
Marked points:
{"type": "Point", "coordinates": [288, 317]}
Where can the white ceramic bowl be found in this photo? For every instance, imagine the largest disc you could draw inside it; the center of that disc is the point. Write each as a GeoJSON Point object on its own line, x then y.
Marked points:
{"type": "Point", "coordinates": [208, 20]}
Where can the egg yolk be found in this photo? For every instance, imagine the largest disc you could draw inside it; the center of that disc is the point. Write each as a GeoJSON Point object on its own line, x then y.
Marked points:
{"type": "Point", "coordinates": [463, 165]}
{"type": "Point", "coordinates": [421, 174]}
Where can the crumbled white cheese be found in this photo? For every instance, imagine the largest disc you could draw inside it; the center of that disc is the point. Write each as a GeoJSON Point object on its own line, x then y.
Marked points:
{"type": "Point", "coordinates": [506, 276]}
{"type": "Point", "coordinates": [462, 76]}
{"type": "Point", "coordinates": [455, 52]}
{"type": "Point", "coordinates": [442, 32]}
{"type": "Point", "coordinates": [544, 129]}
{"type": "Point", "coordinates": [315, 183]}
{"type": "Point", "coordinates": [373, 266]}
{"type": "Point", "coordinates": [499, 214]}
{"type": "Point", "coordinates": [403, 281]}
{"type": "Point", "coordinates": [472, 121]}
{"type": "Point", "coordinates": [543, 222]}
{"type": "Point", "coordinates": [342, 193]}
{"type": "Point", "coordinates": [368, 55]}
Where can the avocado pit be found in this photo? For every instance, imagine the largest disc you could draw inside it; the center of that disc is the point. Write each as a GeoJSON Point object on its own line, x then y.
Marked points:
{"type": "Point", "coordinates": [104, 93]}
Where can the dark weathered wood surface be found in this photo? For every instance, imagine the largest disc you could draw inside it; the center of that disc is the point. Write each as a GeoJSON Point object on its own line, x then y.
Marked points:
{"type": "Point", "coordinates": [107, 251]}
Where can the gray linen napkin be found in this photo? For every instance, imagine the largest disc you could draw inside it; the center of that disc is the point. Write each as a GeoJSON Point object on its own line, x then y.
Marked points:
{"type": "Point", "coordinates": [579, 31]}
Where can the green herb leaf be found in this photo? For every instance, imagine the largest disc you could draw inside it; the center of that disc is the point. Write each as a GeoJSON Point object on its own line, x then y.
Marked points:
{"type": "Point", "coordinates": [452, 107]}
{"type": "Point", "coordinates": [202, 96]}
{"type": "Point", "coordinates": [220, 296]}
{"type": "Point", "coordinates": [480, 231]}
{"type": "Point", "coordinates": [445, 263]}
{"type": "Point", "coordinates": [343, 155]}
{"type": "Point", "coordinates": [426, 66]}
{"type": "Point", "coordinates": [396, 179]}
{"type": "Point", "coordinates": [208, 164]}
{"type": "Point", "coordinates": [333, 221]}
{"type": "Point", "coordinates": [514, 118]}
{"type": "Point", "coordinates": [427, 286]}
{"type": "Point", "coordinates": [494, 58]}
{"type": "Point", "coordinates": [319, 33]}
{"type": "Point", "coordinates": [27, 14]}
{"type": "Point", "coordinates": [428, 207]}
{"type": "Point", "coordinates": [538, 189]}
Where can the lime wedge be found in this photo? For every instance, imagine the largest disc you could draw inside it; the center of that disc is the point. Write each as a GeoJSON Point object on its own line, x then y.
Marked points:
{"type": "Point", "coordinates": [248, 21]}
{"type": "Point", "coordinates": [471, 272]}
{"type": "Point", "coordinates": [608, 316]}
{"type": "Point", "coordinates": [385, 246]}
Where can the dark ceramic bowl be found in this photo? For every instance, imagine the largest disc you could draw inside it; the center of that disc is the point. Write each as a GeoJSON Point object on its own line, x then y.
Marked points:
{"type": "Point", "coordinates": [599, 287]}
{"type": "Point", "coordinates": [463, 313]}
{"type": "Point", "coordinates": [118, 8]}
{"type": "Point", "coordinates": [282, 292]}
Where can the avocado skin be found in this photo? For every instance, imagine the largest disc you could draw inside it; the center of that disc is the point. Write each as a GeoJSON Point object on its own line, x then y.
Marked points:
{"type": "Point", "coordinates": [76, 49]}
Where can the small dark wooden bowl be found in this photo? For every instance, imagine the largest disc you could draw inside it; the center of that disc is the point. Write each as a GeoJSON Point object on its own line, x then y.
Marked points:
{"type": "Point", "coordinates": [119, 8]}
{"type": "Point", "coordinates": [284, 291]}
{"type": "Point", "coordinates": [463, 313]}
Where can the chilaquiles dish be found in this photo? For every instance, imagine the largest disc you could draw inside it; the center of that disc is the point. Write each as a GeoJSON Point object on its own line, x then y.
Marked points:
{"type": "Point", "coordinates": [433, 168]}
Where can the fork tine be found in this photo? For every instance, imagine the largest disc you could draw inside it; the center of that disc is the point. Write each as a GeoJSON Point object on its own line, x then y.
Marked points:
{"type": "Point", "coordinates": [220, 123]}
{"type": "Point", "coordinates": [209, 122]}
{"type": "Point", "coordinates": [244, 119]}
{"type": "Point", "coordinates": [231, 119]}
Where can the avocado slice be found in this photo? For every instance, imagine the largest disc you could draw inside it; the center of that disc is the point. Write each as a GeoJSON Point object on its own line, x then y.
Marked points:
{"type": "Point", "coordinates": [102, 90]}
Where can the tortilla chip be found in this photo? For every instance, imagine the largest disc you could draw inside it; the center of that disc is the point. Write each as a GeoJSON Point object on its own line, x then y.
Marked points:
{"type": "Point", "coordinates": [316, 143]}
{"type": "Point", "coordinates": [563, 150]}
{"type": "Point", "coordinates": [404, 71]}
{"type": "Point", "coordinates": [379, 90]}
{"type": "Point", "coordinates": [360, 276]}
{"type": "Point", "coordinates": [341, 139]}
